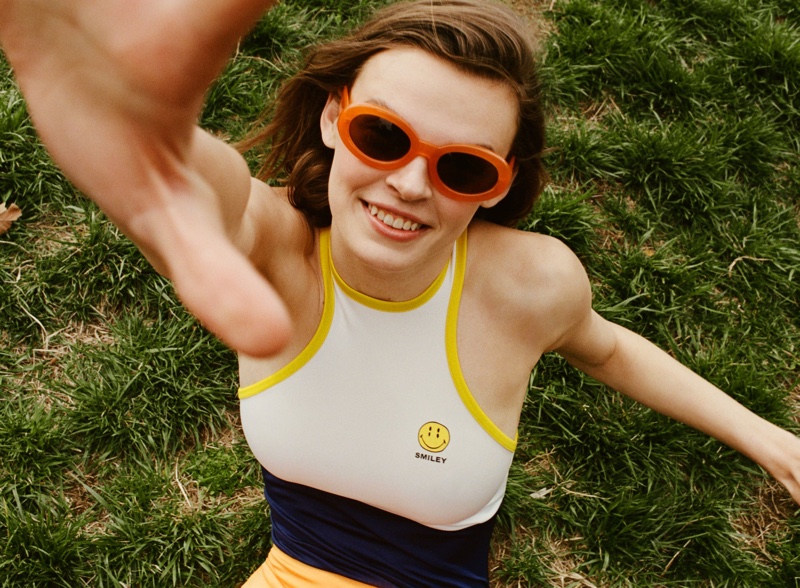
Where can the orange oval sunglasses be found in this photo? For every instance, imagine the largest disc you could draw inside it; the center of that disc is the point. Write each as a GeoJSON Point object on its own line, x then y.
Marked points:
{"type": "Point", "coordinates": [383, 140]}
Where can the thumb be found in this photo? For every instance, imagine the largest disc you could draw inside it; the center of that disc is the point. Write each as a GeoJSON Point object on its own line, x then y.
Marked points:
{"type": "Point", "coordinates": [220, 287]}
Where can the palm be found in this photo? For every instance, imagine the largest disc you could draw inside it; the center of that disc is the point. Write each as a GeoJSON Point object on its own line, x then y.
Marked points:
{"type": "Point", "coordinates": [114, 89]}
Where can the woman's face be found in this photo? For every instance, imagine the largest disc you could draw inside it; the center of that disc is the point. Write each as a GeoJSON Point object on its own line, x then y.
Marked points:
{"type": "Point", "coordinates": [393, 228]}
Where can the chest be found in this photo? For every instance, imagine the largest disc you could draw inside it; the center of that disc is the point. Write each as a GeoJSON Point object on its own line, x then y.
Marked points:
{"type": "Point", "coordinates": [377, 409]}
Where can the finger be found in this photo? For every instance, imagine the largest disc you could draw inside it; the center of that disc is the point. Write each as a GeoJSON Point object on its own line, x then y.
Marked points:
{"type": "Point", "coordinates": [214, 28]}
{"type": "Point", "coordinates": [223, 22]}
{"type": "Point", "coordinates": [794, 489]}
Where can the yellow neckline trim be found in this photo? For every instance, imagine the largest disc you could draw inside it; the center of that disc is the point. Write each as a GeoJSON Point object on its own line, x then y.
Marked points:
{"type": "Point", "coordinates": [451, 344]}
{"type": "Point", "coordinates": [319, 336]}
{"type": "Point", "coordinates": [385, 305]}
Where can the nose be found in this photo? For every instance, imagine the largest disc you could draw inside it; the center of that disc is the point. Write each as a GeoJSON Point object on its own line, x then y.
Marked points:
{"type": "Point", "coordinates": [411, 181]}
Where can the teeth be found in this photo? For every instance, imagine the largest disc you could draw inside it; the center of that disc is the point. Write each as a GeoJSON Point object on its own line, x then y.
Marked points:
{"type": "Point", "coordinates": [388, 219]}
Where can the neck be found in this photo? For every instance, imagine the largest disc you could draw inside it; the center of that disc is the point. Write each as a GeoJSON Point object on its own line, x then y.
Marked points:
{"type": "Point", "coordinates": [384, 281]}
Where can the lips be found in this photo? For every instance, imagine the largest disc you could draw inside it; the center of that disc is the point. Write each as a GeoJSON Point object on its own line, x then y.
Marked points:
{"type": "Point", "coordinates": [392, 219]}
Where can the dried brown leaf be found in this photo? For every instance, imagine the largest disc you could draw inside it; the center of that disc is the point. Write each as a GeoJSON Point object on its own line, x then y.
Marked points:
{"type": "Point", "coordinates": [8, 216]}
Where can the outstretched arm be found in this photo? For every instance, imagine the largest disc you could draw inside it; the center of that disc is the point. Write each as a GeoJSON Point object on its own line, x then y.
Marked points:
{"type": "Point", "coordinates": [637, 368]}
{"type": "Point", "coordinates": [114, 89]}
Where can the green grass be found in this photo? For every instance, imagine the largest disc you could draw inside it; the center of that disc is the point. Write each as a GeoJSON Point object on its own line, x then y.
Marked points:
{"type": "Point", "coordinates": [676, 180]}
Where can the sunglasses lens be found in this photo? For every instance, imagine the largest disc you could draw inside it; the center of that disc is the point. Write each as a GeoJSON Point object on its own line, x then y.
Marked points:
{"type": "Point", "coordinates": [379, 138]}
{"type": "Point", "coordinates": [466, 173]}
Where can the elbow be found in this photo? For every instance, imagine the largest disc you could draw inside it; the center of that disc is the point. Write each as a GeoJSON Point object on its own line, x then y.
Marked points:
{"type": "Point", "coordinates": [596, 349]}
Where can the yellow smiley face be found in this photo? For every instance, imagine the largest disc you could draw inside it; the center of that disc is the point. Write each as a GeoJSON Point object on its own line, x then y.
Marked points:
{"type": "Point", "coordinates": [434, 437]}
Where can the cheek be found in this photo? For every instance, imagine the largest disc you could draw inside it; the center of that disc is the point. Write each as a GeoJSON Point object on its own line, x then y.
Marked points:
{"type": "Point", "coordinates": [348, 170]}
{"type": "Point", "coordinates": [460, 213]}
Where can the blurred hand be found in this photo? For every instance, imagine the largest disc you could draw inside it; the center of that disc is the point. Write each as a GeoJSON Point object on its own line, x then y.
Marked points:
{"type": "Point", "coordinates": [114, 89]}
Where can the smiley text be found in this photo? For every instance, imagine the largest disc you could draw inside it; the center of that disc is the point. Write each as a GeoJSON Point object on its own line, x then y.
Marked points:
{"type": "Point", "coordinates": [431, 458]}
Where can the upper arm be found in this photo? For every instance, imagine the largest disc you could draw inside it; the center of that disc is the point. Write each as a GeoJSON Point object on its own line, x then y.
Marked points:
{"type": "Point", "coordinates": [256, 217]}
{"type": "Point", "coordinates": [584, 338]}
{"type": "Point", "coordinates": [271, 224]}
{"type": "Point", "coordinates": [547, 298]}
{"type": "Point", "coordinates": [227, 174]}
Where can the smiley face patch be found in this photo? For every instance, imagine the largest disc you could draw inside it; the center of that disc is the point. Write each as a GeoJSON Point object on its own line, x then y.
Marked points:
{"type": "Point", "coordinates": [433, 437]}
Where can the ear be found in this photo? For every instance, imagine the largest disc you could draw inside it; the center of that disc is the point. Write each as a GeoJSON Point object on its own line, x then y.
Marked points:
{"type": "Point", "coordinates": [499, 197]}
{"type": "Point", "coordinates": [327, 121]}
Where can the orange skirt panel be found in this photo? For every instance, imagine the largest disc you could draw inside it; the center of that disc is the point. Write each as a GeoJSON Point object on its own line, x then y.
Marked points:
{"type": "Point", "coordinates": [283, 571]}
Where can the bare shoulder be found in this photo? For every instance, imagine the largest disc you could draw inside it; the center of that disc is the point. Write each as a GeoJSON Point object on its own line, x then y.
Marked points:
{"type": "Point", "coordinates": [526, 265]}
{"type": "Point", "coordinates": [536, 282]}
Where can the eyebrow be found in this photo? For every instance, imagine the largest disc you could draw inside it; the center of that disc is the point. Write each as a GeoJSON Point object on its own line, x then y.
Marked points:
{"type": "Point", "coordinates": [382, 104]}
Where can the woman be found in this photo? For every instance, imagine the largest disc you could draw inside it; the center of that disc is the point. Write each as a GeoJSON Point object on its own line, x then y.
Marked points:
{"type": "Point", "coordinates": [386, 315]}
{"type": "Point", "coordinates": [401, 411]}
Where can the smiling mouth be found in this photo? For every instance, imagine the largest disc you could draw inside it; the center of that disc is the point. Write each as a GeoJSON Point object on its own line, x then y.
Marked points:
{"type": "Point", "coordinates": [428, 446]}
{"type": "Point", "coordinates": [391, 220]}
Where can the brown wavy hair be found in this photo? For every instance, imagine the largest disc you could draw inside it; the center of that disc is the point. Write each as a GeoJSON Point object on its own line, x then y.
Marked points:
{"type": "Point", "coordinates": [479, 37]}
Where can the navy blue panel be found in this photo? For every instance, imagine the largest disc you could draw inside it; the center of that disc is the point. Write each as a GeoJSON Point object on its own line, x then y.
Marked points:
{"type": "Point", "coordinates": [370, 545]}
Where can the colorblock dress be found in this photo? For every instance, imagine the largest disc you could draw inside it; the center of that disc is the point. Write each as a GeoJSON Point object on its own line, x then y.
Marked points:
{"type": "Point", "coordinates": [379, 466]}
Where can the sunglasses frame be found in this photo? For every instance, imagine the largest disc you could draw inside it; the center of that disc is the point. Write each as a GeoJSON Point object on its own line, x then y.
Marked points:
{"type": "Point", "coordinates": [432, 153]}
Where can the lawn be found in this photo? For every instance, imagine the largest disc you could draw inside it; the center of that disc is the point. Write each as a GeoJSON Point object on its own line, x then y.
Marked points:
{"type": "Point", "coordinates": [675, 164]}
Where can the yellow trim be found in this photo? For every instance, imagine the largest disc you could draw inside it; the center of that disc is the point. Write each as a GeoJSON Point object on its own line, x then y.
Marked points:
{"type": "Point", "coordinates": [451, 344]}
{"type": "Point", "coordinates": [385, 305]}
{"type": "Point", "coordinates": [319, 336]}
